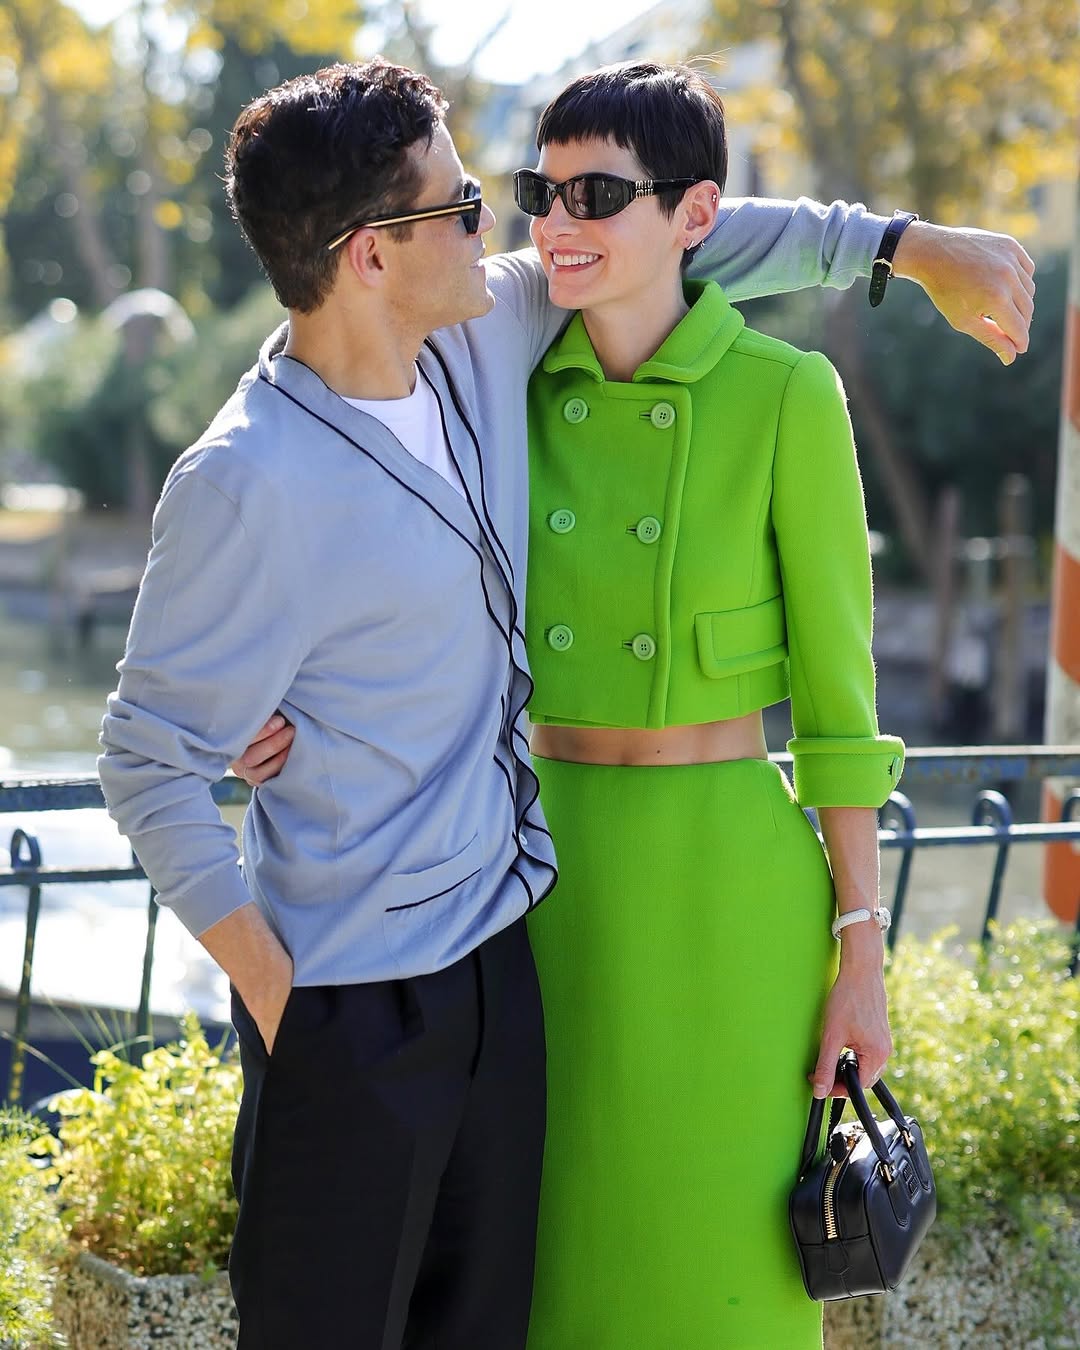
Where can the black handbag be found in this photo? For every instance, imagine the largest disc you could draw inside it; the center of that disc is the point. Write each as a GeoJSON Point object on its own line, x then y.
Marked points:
{"type": "Point", "coordinates": [860, 1210]}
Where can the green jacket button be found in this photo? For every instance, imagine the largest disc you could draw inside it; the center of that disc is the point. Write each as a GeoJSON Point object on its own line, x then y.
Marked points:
{"type": "Point", "coordinates": [896, 767]}
{"type": "Point", "coordinates": [643, 647]}
{"type": "Point", "coordinates": [562, 521]}
{"type": "Point", "coordinates": [662, 416]}
{"type": "Point", "coordinates": [647, 529]}
{"type": "Point", "coordinates": [576, 410]}
{"type": "Point", "coordinates": [560, 638]}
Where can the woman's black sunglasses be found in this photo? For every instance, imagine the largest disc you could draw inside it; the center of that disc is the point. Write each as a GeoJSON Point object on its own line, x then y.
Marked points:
{"type": "Point", "coordinates": [468, 208]}
{"type": "Point", "coordinates": [587, 196]}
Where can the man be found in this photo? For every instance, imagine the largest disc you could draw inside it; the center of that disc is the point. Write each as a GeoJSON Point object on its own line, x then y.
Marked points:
{"type": "Point", "coordinates": [346, 543]}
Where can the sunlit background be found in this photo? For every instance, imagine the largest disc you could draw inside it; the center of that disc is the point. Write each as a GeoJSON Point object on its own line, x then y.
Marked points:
{"type": "Point", "coordinates": [129, 306]}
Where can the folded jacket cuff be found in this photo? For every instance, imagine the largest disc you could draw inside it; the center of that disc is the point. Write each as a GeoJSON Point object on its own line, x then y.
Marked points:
{"type": "Point", "coordinates": [846, 770]}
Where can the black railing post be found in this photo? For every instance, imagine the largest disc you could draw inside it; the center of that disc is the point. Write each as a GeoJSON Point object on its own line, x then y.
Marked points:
{"type": "Point", "coordinates": [31, 861]}
{"type": "Point", "coordinates": [993, 809]}
{"type": "Point", "coordinates": [1070, 811]}
{"type": "Point", "coordinates": [143, 1020]}
{"type": "Point", "coordinates": [899, 805]}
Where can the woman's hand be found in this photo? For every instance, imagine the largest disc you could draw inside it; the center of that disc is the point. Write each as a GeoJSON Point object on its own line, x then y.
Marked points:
{"type": "Point", "coordinates": [856, 1012]}
{"type": "Point", "coordinates": [266, 755]}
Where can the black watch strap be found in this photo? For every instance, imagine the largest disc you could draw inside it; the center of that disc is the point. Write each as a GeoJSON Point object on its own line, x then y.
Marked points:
{"type": "Point", "coordinates": [882, 269]}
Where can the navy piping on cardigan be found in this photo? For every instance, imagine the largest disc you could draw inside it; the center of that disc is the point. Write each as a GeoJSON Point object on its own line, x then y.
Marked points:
{"type": "Point", "coordinates": [476, 446]}
{"type": "Point", "coordinates": [533, 901]}
{"type": "Point", "coordinates": [415, 904]}
{"type": "Point", "coordinates": [515, 625]}
{"type": "Point", "coordinates": [524, 768]}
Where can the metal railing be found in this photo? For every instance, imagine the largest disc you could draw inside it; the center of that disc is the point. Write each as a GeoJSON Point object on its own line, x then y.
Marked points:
{"type": "Point", "coordinates": [985, 768]}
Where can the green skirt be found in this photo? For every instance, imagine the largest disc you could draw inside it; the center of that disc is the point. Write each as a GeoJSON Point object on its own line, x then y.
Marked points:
{"type": "Point", "coordinates": [684, 960]}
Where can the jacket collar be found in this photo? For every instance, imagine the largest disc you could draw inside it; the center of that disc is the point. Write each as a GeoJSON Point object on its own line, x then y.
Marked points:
{"type": "Point", "coordinates": [301, 384]}
{"type": "Point", "coordinates": [470, 514]}
{"type": "Point", "coordinates": [689, 351]}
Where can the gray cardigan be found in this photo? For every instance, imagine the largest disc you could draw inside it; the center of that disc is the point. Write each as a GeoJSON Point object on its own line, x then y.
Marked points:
{"type": "Point", "coordinates": [302, 559]}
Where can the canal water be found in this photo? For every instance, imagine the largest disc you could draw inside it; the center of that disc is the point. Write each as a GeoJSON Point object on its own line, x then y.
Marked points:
{"type": "Point", "coordinates": [90, 937]}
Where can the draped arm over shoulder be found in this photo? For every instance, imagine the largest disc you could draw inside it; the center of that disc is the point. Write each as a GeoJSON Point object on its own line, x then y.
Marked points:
{"type": "Point", "coordinates": [763, 247]}
{"type": "Point", "coordinates": [820, 524]}
{"type": "Point", "coordinates": [758, 247]}
{"type": "Point", "coordinates": [215, 641]}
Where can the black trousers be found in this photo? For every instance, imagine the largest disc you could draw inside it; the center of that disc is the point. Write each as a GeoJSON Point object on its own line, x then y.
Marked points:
{"type": "Point", "coordinates": [387, 1161]}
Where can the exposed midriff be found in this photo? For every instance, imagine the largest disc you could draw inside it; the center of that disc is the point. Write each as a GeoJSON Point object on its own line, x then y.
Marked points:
{"type": "Point", "coordinates": [701, 743]}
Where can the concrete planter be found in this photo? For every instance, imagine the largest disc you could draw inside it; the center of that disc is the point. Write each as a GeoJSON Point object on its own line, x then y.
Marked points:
{"type": "Point", "coordinates": [985, 1290]}
{"type": "Point", "coordinates": [96, 1304]}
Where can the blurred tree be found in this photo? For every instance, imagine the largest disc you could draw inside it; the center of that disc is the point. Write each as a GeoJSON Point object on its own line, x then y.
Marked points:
{"type": "Point", "coordinates": [111, 139]}
{"type": "Point", "coordinates": [55, 73]}
{"type": "Point", "coordinates": [83, 400]}
{"type": "Point", "coordinates": [956, 110]}
{"type": "Point", "coordinates": [953, 105]}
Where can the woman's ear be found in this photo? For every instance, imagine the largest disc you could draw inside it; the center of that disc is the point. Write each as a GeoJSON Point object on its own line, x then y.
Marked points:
{"type": "Point", "coordinates": [699, 208]}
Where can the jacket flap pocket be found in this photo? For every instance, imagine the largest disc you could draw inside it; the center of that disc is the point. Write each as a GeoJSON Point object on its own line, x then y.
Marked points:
{"type": "Point", "coordinates": [733, 641]}
{"type": "Point", "coordinates": [408, 889]}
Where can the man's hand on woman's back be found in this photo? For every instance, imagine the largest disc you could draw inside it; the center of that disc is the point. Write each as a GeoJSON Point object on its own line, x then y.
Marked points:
{"type": "Point", "coordinates": [266, 755]}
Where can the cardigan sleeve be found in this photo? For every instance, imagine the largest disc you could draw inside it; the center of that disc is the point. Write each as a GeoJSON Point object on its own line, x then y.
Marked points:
{"type": "Point", "coordinates": [820, 524]}
{"type": "Point", "coordinates": [215, 641]}
{"type": "Point", "coordinates": [764, 247]}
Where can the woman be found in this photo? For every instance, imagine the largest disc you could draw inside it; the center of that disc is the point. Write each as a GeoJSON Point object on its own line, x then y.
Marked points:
{"type": "Point", "coordinates": [698, 548]}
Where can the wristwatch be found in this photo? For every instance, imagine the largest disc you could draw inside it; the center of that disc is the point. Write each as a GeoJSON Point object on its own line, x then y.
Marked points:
{"type": "Point", "coordinates": [882, 269]}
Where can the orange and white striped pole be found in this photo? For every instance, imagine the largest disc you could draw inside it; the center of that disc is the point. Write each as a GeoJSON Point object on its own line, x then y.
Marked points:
{"type": "Point", "coordinates": [1061, 869]}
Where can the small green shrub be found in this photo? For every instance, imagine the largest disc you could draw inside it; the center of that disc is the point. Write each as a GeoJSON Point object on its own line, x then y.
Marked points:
{"type": "Point", "coordinates": [988, 1059]}
{"type": "Point", "coordinates": [142, 1161]}
{"type": "Point", "coordinates": [30, 1237]}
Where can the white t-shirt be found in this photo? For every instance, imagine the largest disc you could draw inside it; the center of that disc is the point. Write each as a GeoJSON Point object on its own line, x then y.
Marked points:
{"type": "Point", "coordinates": [416, 422]}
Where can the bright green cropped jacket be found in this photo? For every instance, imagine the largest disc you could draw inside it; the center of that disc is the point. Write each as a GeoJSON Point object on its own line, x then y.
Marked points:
{"type": "Point", "coordinates": [698, 547]}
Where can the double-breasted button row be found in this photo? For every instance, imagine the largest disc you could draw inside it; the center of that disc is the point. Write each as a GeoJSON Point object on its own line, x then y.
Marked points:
{"type": "Point", "coordinates": [647, 530]}
{"type": "Point", "coordinates": [661, 415]}
{"type": "Point", "coordinates": [560, 638]}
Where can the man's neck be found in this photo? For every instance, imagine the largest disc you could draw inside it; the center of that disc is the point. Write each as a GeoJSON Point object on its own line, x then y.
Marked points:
{"type": "Point", "coordinates": [366, 360]}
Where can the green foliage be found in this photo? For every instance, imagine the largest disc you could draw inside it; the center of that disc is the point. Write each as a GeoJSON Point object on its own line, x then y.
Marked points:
{"type": "Point", "coordinates": [83, 412]}
{"type": "Point", "coordinates": [87, 411]}
{"type": "Point", "coordinates": [143, 1159]}
{"type": "Point", "coordinates": [188, 388]}
{"type": "Point", "coordinates": [988, 1060]}
{"type": "Point", "coordinates": [30, 1236]}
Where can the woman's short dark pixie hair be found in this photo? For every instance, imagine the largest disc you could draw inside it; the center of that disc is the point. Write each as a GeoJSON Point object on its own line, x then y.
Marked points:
{"type": "Point", "coordinates": [670, 117]}
{"type": "Point", "coordinates": [318, 152]}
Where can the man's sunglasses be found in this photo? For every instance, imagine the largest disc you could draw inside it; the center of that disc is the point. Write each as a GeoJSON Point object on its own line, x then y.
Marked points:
{"type": "Point", "coordinates": [587, 196]}
{"type": "Point", "coordinates": [468, 208]}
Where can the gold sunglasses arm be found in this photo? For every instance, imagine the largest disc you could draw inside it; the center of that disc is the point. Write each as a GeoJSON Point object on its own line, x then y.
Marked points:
{"type": "Point", "coordinates": [454, 209]}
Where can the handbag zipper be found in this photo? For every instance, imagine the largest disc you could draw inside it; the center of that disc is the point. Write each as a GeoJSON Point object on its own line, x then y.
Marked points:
{"type": "Point", "coordinates": [847, 1141]}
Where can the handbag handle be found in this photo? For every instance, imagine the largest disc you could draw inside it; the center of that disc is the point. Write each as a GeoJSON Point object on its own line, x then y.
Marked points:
{"type": "Point", "coordinates": [847, 1070]}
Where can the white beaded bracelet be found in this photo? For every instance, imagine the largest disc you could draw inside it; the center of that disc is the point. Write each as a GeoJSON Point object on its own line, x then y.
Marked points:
{"type": "Point", "coordinates": [881, 916]}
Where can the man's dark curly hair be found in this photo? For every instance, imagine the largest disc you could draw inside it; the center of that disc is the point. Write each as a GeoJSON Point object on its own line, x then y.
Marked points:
{"type": "Point", "coordinates": [318, 152]}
